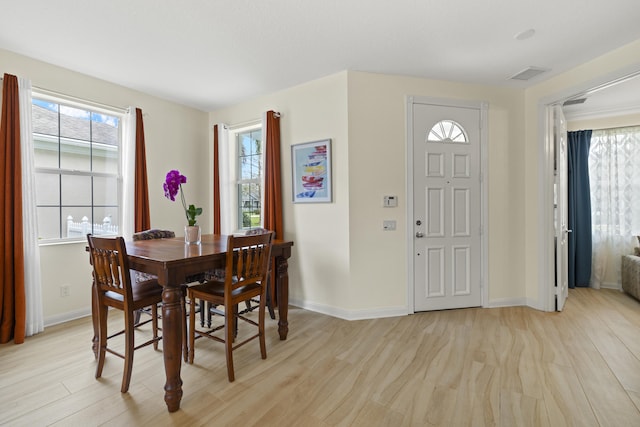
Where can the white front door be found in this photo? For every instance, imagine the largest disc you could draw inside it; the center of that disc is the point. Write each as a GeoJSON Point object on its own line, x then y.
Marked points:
{"type": "Point", "coordinates": [446, 206]}
{"type": "Point", "coordinates": [561, 206]}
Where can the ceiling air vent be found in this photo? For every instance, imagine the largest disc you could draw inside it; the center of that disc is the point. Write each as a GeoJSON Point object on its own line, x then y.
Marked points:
{"type": "Point", "coordinates": [528, 73]}
{"type": "Point", "coordinates": [574, 101]}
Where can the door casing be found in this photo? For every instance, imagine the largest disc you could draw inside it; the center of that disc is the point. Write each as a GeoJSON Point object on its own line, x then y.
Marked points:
{"type": "Point", "coordinates": [546, 230]}
{"type": "Point", "coordinates": [409, 232]}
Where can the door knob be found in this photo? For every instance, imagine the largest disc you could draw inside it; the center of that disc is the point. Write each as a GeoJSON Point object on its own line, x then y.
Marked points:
{"type": "Point", "coordinates": [419, 235]}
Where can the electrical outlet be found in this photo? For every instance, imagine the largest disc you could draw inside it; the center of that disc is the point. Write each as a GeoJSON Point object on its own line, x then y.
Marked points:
{"type": "Point", "coordinates": [64, 291]}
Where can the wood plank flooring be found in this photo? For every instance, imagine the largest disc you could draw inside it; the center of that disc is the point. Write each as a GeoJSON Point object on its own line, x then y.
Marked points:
{"type": "Point", "coordinates": [474, 367]}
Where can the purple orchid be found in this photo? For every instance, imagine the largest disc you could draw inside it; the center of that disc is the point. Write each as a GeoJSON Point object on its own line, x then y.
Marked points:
{"type": "Point", "coordinates": [172, 185]}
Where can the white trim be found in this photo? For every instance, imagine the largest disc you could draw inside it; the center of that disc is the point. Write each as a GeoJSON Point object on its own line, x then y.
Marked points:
{"type": "Point", "coordinates": [546, 280]}
{"type": "Point", "coordinates": [72, 101]}
{"type": "Point", "coordinates": [409, 198]}
{"type": "Point", "coordinates": [66, 317]}
{"type": "Point", "coordinates": [602, 113]}
{"type": "Point", "coordinates": [508, 302]}
{"type": "Point", "coordinates": [483, 108]}
{"type": "Point", "coordinates": [484, 202]}
{"type": "Point", "coordinates": [611, 285]}
{"type": "Point", "coordinates": [377, 313]}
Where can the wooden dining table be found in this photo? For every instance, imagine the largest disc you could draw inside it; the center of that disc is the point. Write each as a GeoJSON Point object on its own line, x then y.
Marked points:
{"type": "Point", "coordinates": [174, 262]}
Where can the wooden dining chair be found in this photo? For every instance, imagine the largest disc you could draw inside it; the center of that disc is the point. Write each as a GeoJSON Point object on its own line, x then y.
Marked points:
{"type": "Point", "coordinates": [217, 274]}
{"type": "Point", "coordinates": [114, 288]}
{"type": "Point", "coordinates": [246, 271]}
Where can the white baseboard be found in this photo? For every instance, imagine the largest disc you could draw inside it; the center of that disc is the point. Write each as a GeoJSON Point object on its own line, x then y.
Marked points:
{"type": "Point", "coordinates": [379, 313]}
{"type": "Point", "coordinates": [616, 286]}
{"type": "Point", "coordinates": [376, 313]}
{"type": "Point", "coordinates": [66, 317]}
{"type": "Point", "coordinates": [369, 313]}
{"type": "Point", "coordinates": [510, 302]}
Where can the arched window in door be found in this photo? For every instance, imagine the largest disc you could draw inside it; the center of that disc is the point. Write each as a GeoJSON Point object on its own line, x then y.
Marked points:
{"type": "Point", "coordinates": [447, 131]}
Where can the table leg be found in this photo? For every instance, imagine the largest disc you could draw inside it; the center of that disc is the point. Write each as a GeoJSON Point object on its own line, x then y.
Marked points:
{"type": "Point", "coordinates": [282, 289]}
{"type": "Point", "coordinates": [172, 315]}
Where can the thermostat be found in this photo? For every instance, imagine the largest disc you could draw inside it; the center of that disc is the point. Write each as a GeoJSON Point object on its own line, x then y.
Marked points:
{"type": "Point", "coordinates": [390, 201]}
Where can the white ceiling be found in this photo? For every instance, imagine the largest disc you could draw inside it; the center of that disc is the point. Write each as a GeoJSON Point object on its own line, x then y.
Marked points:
{"type": "Point", "coordinates": [209, 54]}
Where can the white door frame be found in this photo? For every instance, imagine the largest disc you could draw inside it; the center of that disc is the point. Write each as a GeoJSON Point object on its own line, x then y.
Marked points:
{"type": "Point", "coordinates": [546, 229]}
{"type": "Point", "coordinates": [409, 232]}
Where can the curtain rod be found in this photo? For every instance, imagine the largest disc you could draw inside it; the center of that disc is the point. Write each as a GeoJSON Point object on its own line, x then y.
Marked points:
{"type": "Point", "coordinates": [75, 99]}
{"type": "Point", "coordinates": [71, 98]}
{"type": "Point", "coordinates": [247, 123]}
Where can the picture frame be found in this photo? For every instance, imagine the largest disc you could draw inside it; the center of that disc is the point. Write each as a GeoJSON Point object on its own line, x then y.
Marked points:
{"type": "Point", "coordinates": [311, 169]}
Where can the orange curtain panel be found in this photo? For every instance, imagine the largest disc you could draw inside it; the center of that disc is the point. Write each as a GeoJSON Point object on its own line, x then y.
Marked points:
{"type": "Point", "coordinates": [12, 295]}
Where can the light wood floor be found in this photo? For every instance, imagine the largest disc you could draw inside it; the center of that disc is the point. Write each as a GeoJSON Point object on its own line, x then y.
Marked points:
{"type": "Point", "coordinates": [503, 367]}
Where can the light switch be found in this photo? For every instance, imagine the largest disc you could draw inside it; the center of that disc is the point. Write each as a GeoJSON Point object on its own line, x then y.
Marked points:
{"type": "Point", "coordinates": [389, 225]}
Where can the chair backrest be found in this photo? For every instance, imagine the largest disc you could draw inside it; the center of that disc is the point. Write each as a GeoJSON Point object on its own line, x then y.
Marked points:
{"type": "Point", "coordinates": [254, 231]}
{"type": "Point", "coordinates": [247, 260]}
{"type": "Point", "coordinates": [110, 265]}
{"type": "Point", "coordinates": [153, 233]}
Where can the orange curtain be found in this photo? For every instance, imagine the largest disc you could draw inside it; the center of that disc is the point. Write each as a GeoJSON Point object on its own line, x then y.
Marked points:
{"type": "Point", "coordinates": [142, 219]}
{"type": "Point", "coordinates": [272, 182]}
{"type": "Point", "coordinates": [217, 228]}
{"type": "Point", "coordinates": [12, 295]}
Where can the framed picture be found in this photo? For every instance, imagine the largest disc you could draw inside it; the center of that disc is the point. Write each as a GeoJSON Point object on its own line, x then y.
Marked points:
{"type": "Point", "coordinates": [311, 163]}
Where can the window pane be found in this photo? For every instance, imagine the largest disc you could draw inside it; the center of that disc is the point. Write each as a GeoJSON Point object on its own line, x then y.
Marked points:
{"type": "Point", "coordinates": [78, 139]}
{"type": "Point", "coordinates": [46, 151]}
{"type": "Point", "coordinates": [47, 189]}
{"type": "Point", "coordinates": [75, 155]}
{"type": "Point", "coordinates": [106, 220]}
{"type": "Point", "coordinates": [250, 155]}
{"type": "Point", "coordinates": [246, 146]}
{"type": "Point", "coordinates": [250, 167]}
{"type": "Point", "coordinates": [249, 205]}
{"type": "Point", "coordinates": [104, 129]}
{"type": "Point", "coordinates": [77, 222]}
{"type": "Point", "coordinates": [45, 117]}
{"type": "Point", "coordinates": [74, 123]}
{"type": "Point", "coordinates": [105, 191]}
{"type": "Point", "coordinates": [105, 158]}
{"type": "Point", "coordinates": [76, 190]}
{"type": "Point", "coordinates": [48, 222]}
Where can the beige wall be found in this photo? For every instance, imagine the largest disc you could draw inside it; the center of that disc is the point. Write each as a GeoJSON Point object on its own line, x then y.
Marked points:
{"type": "Point", "coordinates": [344, 263]}
{"type": "Point", "coordinates": [377, 142]}
{"type": "Point", "coordinates": [176, 138]}
{"type": "Point", "coordinates": [608, 67]}
{"type": "Point", "coordinates": [319, 267]}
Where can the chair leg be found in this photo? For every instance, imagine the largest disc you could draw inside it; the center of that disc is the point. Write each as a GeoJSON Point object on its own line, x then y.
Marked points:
{"type": "Point", "coordinates": [261, 310]}
{"type": "Point", "coordinates": [102, 338]}
{"type": "Point", "coordinates": [269, 302]}
{"type": "Point", "coordinates": [185, 346]}
{"type": "Point", "coordinates": [136, 317]}
{"type": "Point", "coordinates": [154, 324]}
{"type": "Point", "coordinates": [202, 308]}
{"type": "Point", "coordinates": [128, 351]}
{"type": "Point", "coordinates": [229, 330]}
{"type": "Point", "coordinates": [192, 328]}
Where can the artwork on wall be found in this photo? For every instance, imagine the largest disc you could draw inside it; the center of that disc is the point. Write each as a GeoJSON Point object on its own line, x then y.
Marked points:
{"type": "Point", "coordinates": [311, 171]}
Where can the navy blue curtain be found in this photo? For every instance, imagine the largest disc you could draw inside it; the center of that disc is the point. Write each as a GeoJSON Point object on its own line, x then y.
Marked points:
{"type": "Point", "coordinates": [579, 209]}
